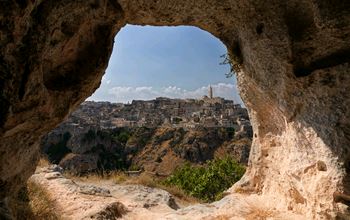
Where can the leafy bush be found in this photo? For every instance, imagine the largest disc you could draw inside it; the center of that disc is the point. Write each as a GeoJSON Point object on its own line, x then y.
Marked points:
{"type": "Point", "coordinates": [209, 182]}
{"type": "Point", "coordinates": [177, 120]}
{"type": "Point", "coordinates": [230, 131]}
{"type": "Point", "coordinates": [123, 137]}
{"type": "Point", "coordinates": [140, 136]}
{"type": "Point", "coordinates": [134, 167]}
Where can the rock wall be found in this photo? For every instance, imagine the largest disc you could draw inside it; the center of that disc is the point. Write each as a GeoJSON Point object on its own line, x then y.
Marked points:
{"type": "Point", "coordinates": [82, 150]}
{"type": "Point", "coordinates": [292, 63]}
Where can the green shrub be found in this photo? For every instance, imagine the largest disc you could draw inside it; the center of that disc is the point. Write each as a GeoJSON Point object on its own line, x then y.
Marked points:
{"type": "Point", "coordinates": [123, 137]}
{"type": "Point", "coordinates": [230, 131]}
{"type": "Point", "coordinates": [134, 167]}
{"type": "Point", "coordinates": [177, 120]}
{"type": "Point", "coordinates": [140, 136]}
{"type": "Point", "coordinates": [208, 182]}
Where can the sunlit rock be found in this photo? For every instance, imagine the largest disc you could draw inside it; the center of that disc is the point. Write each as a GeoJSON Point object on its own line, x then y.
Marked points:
{"type": "Point", "coordinates": [292, 64]}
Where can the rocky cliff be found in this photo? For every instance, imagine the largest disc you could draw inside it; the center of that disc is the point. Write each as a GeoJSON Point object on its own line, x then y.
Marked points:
{"type": "Point", "coordinates": [292, 64]}
{"type": "Point", "coordinates": [157, 150]}
{"type": "Point", "coordinates": [87, 141]}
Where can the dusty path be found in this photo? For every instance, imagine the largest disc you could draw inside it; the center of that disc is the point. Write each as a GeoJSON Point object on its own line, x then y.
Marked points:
{"type": "Point", "coordinates": [104, 200]}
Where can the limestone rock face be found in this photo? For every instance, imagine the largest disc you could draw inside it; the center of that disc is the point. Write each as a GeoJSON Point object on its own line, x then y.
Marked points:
{"type": "Point", "coordinates": [292, 62]}
{"type": "Point", "coordinates": [53, 54]}
{"type": "Point", "coordinates": [158, 150]}
{"type": "Point", "coordinates": [170, 148]}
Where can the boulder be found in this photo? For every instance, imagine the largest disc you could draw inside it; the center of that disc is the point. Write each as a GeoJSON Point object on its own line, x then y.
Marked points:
{"type": "Point", "coordinates": [80, 163]}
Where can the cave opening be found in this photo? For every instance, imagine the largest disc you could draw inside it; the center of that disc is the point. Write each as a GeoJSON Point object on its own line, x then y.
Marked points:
{"type": "Point", "coordinates": [294, 82]}
{"type": "Point", "coordinates": [165, 101]}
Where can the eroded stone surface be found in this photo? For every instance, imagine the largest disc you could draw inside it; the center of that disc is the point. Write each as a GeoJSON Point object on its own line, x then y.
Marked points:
{"type": "Point", "coordinates": [100, 199]}
{"type": "Point", "coordinates": [293, 58]}
{"type": "Point", "coordinates": [103, 199]}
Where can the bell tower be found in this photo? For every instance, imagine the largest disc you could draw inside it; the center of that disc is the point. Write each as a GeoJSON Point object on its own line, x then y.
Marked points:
{"type": "Point", "coordinates": [210, 92]}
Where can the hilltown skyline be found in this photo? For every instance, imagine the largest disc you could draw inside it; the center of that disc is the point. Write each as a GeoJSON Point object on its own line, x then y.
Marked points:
{"type": "Point", "coordinates": [146, 65]}
{"type": "Point", "coordinates": [128, 94]}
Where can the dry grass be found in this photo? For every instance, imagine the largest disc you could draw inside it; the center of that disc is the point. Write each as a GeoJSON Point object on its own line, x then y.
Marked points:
{"type": "Point", "coordinates": [119, 177]}
{"type": "Point", "coordinates": [259, 214]}
{"type": "Point", "coordinates": [253, 208]}
{"type": "Point", "coordinates": [144, 179]}
{"type": "Point", "coordinates": [43, 162]}
{"type": "Point", "coordinates": [181, 195]}
{"type": "Point", "coordinates": [33, 202]}
{"type": "Point", "coordinates": [148, 180]}
{"type": "Point", "coordinates": [257, 209]}
{"type": "Point", "coordinates": [97, 177]}
{"type": "Point", "coordinates": [40, 202]}
{"type": "Point", "coordinates": [219, 217]}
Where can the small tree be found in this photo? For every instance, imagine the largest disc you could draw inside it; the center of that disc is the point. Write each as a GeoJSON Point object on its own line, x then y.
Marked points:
{"type": "Point", "coordinates": [209, 182]}
{"type": "Point", "coordinates": [233, 58]}
{"type": "Point", "coordinates": [227, 61]}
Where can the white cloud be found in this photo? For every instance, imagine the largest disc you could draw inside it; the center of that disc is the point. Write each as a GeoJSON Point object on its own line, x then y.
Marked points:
{"type": "Point", "coordinates": [127, 94]}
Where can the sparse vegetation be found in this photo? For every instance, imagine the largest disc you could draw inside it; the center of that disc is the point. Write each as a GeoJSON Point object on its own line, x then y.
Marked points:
{"type": "Point", "coordinates": [207, 182]}
{"type": "Point", "coordinates": [134, 167]}
{"type": "Point", "coordinates": [226, 132]}
{"type": "Point", "coordinates": [119, 177]}
{"type": "Point", "coordinates": [120, 135]}
{"type": "Point", "coordinates": [177, 120]}
{"type": "Point", "coordinates": [44, 161]}
{"type": "Point", "coordinates": [123, 137]}
{"type": "Point", "coordinates": [233, 58]}
{"type": "Point", "coordinates": [33, 202]}
{"type": "Point", "coordinates": [191, 183]}
{"type": "Point", "coordinates": [147, 180]}
{"type": "Point", "coordinates": [228, 61]}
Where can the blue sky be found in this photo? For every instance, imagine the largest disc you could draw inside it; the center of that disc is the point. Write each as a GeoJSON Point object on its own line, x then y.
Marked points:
{"type": "Point", "coordinates": [175, 62]}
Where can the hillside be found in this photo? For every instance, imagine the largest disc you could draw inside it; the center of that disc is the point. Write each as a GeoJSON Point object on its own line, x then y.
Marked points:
{"type": "Point", "coordinates": [83, 143]}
